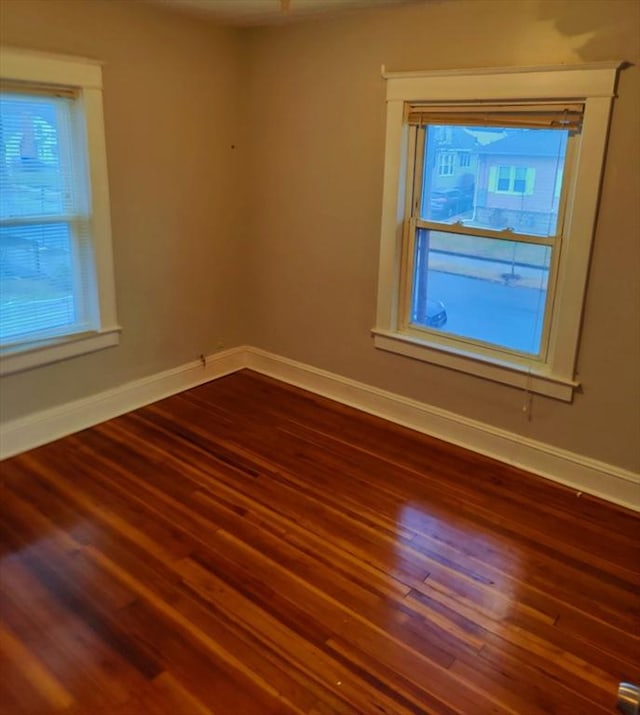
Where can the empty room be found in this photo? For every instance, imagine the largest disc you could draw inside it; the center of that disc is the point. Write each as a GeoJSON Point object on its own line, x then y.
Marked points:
{"type": "Point", "coordinates": [319, 357]}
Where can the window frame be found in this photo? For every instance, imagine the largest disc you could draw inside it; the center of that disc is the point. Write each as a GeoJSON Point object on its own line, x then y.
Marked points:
{"type": "Point", "coordinates": [594, 86]}
{"type": "Point", "coordinates": [84, 76]}
{"type": "Point", "coordinates": [414, 222]}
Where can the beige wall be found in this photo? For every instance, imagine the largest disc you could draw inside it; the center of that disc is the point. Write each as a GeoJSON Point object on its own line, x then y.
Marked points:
{"type": "Point", "coordinates": [170, 96]}
{"type": "Point", "coordinates": [285, 255]}
{"type": "Point", "coordinates": [318, 165]}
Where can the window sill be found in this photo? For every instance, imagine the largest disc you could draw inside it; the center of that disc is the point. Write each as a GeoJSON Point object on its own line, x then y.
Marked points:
{"type": "Point", "coordinates": [51, 351]}
{"type": "Point", "coordinates": [538, 380]}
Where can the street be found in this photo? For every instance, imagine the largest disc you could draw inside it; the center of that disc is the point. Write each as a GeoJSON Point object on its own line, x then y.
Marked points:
{"type": "Point", "coordinates": [504, 314]}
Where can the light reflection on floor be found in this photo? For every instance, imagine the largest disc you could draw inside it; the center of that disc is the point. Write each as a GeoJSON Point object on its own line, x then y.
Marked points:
{"type": "Point", "coordinates": [467, 565]}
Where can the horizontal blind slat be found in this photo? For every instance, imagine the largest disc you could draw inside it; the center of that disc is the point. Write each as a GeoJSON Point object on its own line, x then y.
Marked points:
{"type": "Point", "coordinates": [44, 219]}
{"type": "Point", "coordinates": [32, 89]}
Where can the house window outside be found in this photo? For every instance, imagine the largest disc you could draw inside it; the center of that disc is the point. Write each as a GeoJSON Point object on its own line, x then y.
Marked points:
{"type": "Point", "coordinates": [445, 164]}
{"type": "Point", "coordinates": [520, 180]}
{"type": "Point", "coordinates": [504, 178]}
{"type": "Point", "coordinates": [56, 283]}
{"type": "Point", "coordinates": [486, 272]}
{"type": "Point", "coordinates": [464, 160]}
{"type": "Point", "coordinates": [515, 180]}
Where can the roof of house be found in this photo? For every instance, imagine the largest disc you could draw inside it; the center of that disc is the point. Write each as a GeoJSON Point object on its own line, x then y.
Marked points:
{"type": "Point", "coordinates": [458, 139]}
{"type": "Point", "coordinates": [528, 142]}
{"type": "Point", "coordinates": [461, 139]}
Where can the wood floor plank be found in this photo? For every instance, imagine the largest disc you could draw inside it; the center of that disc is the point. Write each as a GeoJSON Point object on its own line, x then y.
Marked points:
{"type": "Point", "coordinates": [33, 671]}
{"type": "Point", "coordinates": [73, 653]}
{"type": "Point", "coordinates": [249, 548]}
{"type": "Point", "coordinates": [368, 433]}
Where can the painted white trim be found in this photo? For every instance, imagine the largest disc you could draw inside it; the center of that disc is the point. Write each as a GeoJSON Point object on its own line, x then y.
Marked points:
{"type": "Point", "coordinates": [581, 473]}
{"type": "Point", "coordinates": [576, 471]}
{"type": "Point", "coordinates": [505, 83]}
{"type": "Point", "coordinates": [98, 195]}
{"type": "Point", "coordinates": [525, 376]}
{"type": "Point", "coordinates": [47, 68]}
{"type": "Point", "coordinates": [58, 349]}
{"type": "Point", "coordinates": [34, 430]}
{"type": "Point", "coordinates": [515, 69]}
{"type": "Point", "coordinates": [393, 206]}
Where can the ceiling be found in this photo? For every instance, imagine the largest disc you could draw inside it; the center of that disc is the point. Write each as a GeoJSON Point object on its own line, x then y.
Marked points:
{"type": "Point", "coordinates": [244, 13]}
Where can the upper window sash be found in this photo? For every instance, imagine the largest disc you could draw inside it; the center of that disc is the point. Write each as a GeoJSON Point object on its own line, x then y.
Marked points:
{"type": "Point", "coordinates": [525, 174]}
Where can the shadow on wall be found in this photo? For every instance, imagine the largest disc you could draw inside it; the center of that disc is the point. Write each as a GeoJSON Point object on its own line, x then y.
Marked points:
{"type": "Point", "coordinates": [595, 27]}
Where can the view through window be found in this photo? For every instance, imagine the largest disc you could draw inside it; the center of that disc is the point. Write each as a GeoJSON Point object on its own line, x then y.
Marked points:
{"type": "Point", "coordinates": [484, 235]}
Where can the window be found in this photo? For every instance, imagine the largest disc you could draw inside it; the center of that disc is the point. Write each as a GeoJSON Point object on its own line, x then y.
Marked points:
{"type": "Point", "coordinates": [445, 164]}
{"type": "Point", "coordinates": [56, 278]}
{"type": "Point", "coordinates": [487, 282]}
{"type": "Point", "coordinates": [465, 160]}
{"type": "Point", "coordinates": [486, 273]}
{"type": "Point", "coordinates": [512, 179]}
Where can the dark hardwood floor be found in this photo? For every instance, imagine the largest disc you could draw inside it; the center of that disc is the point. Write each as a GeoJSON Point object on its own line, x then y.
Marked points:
{"type": "Point", "coordinates": [248, 548]}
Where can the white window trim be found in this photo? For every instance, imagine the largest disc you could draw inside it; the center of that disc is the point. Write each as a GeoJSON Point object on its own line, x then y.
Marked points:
{"type": "Point", "coordinates": [85, 76]}
{"type": "Point", "coordinates": [592, 84]}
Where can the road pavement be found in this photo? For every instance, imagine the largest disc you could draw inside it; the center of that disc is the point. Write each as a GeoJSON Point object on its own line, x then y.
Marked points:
{"type": "Point", "coordinates": [509, 314]}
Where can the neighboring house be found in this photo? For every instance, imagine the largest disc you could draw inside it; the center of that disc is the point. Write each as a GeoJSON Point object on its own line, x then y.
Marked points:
{"type": "Point", "coordinates": [456, 159]}
{"type": "Point", "coordinates": [519, 178]}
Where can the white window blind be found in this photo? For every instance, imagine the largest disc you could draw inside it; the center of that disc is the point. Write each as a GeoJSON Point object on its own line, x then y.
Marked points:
{"type": "Point", "coordinates": [46, 275]}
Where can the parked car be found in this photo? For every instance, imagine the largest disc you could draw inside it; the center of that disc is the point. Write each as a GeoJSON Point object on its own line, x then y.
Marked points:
{"type": "Point", "coordinates": [434, 317]}
{"type": "Point", "coordinates": [436, 314]}
{"type": "Point", "coordinates": [449, 202]}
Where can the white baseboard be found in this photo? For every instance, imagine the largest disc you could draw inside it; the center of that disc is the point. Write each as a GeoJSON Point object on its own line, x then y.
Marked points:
{"type": "Point", "coordinates": [34, 430]}
{"type": "Point", "coordinates": [581, 473]}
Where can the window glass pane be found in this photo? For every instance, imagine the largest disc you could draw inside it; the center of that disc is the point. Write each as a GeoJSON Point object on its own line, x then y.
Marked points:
{"type": "Point", "coordinates": [509, 178]}
{"type": "Point", "coordinates": [504, 178]}
{"type": "Point", "coordinates": [35, 163]}
{"type": "Point", "coordinates": [36, 280]}
{"type": "Point", "coordinates": [519, 182]}
{"type": "Point", "coordinates": [483, 289]}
